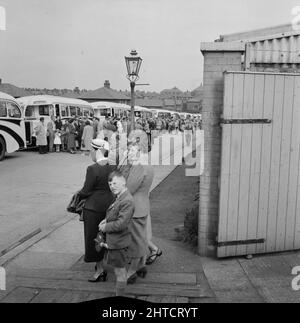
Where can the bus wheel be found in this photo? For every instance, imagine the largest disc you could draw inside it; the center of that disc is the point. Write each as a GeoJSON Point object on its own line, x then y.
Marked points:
{"type": "Point", "coordinates": [2, 148]}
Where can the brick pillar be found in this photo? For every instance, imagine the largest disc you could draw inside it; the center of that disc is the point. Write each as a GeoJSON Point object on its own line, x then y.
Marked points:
{"type": "Point", "coordinates": [218, 58]}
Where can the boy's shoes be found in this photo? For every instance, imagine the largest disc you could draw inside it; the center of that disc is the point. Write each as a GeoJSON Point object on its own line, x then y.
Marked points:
{"type": "Point", "coordinates": [100, 278]}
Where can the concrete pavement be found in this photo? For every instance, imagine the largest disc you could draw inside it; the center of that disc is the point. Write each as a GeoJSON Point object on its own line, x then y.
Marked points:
{"type": "Point", "coordinates": [263, 279]}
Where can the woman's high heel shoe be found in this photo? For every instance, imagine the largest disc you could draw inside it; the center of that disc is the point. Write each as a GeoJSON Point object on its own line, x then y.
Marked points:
{"type": "Point", "coordinates": [142, 272]}
{"type": "Point", "coordinates": [153, 256]}
{"type": "Point", "coordinates": [132, 279]}
{"type": "Point", "coordinates": [100, 278]}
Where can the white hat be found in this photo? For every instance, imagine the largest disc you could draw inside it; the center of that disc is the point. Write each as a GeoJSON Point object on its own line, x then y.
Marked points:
{"type": "Point", "coordinates": [100, 144]}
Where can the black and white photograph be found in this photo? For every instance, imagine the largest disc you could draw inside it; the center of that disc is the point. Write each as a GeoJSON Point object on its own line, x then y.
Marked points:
{"type": "Point", "coordinates": [149, 154]}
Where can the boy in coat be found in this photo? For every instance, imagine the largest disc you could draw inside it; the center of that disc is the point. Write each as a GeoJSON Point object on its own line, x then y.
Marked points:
{"type": "Point", "coordinates": [116, 227]}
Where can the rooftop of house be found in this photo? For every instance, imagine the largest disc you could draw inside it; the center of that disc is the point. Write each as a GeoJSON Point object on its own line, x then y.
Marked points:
{"type": "Point", "coordinates": [72, 95]}
{"type": "Point", "coordinates": [172, 102]}
{"type": "Point", "coordinates": [174, 89]}
{"type": "Point", "coordinates": [104, 93]}
{"type": "Point", "coordinates": [149, 103]}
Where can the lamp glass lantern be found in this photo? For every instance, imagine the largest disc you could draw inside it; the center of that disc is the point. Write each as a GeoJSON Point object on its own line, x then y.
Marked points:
{"type": "Point", "coordinates": [133, 64]}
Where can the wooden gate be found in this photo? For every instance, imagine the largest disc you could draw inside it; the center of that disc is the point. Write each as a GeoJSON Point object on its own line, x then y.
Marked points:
{"type": "Point", "coordinates": [259, 185]}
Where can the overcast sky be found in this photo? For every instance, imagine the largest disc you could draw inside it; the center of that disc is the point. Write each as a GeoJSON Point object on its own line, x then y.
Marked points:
{"type": "Point", "coordinates": [68, 43]}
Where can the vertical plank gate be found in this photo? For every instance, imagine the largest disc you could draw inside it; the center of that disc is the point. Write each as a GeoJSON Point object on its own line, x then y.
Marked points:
{"type": "Point", "coordinates": [259, 185]}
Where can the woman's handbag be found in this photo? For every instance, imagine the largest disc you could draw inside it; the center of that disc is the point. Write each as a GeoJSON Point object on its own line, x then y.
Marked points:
{"type": "Point", "coordinates": [76, 204]}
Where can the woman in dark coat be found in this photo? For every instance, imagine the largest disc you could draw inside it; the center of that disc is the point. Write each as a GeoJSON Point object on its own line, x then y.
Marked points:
{"type": "Point", "coordinates": [99, 197]}
{"type": "Point", "coordinates": [71, 137]}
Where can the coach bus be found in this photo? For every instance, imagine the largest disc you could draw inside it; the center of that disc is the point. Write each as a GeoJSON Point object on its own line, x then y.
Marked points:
{"type": "Point", "coordinates": [164, 113]}
{"type": "Point", "coordinates": [141, 112]}
{"type": "Point", "coordinates": [176, 115]}
{"type": "Point", "coordinates": [158, 113]}
{"type": "Point", "coordinates": [37, 106]}
{"type": "Point", "coordinates": [12, 129]}
{"type": "Point", "coordinates": [104, 109]}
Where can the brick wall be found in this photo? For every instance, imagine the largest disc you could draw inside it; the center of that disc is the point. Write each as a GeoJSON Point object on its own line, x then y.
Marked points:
{"type": "Point", "coordinates": [216, 62]}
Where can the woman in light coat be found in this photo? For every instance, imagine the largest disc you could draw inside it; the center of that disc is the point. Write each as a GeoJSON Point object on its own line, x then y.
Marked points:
{"type": "Point", "coordinates": [41, 136]}
{"type": "Point", "coordinates": [139, 180]}
{"type": "Point", "coordinates": [87, 137]}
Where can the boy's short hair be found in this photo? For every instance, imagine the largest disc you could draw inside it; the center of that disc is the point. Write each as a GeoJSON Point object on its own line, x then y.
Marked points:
{"type": "Point", "coordinates": [117, 174]}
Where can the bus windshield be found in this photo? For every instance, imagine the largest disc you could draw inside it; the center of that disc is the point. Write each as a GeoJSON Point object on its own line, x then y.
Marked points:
{"type": "Point", "coordinates": [3, 110]}
{"type": "Point", "coordinates": [12, 110]}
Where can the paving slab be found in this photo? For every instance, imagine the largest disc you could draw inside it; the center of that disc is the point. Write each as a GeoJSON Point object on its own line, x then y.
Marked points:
{"type": "Point", "coordinates": [5, 259]}
{"type": "Point", "coordinates": [162, 278]}
{"type": "Point", "coordinates": [109, 287]}
{"type": "Point", "coordinates": [172, 299]}
{"type": "Point", "coordinates": [47, 296]}
{"type": "Point", "coordinates": [20, 295]}
{"type": "Point", "coordinates": [177, 257]}
{"type": "Point", "coordinates": [271, 276]}
{"type": "Point", "coordinates": [43, 260]}
{"type": "Point", "coordinates": [73, 297]}
{"type": "Point", "coordinates": [229, 282]}
{"type": "Point", "coordinates": [292, 259]}
{"type": "Point", "coordinates": [59, 250]}
{"type": "Point", "coordinates": [95, 296]}
{"type": "Point", "coordinates": [155, 299]}
{"type": "Point", "coordinates": [68, 238]}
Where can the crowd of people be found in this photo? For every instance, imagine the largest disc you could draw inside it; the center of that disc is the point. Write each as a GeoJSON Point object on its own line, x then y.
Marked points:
{"type": "Point", "coordinates": [76, 134]}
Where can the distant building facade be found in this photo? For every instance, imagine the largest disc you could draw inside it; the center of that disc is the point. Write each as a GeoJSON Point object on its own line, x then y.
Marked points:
{"type": "Point", "coordinates": [194, 105]}
{"type": "Point", "coordinates": [175, 94]}
{"type": "Point", "coordinates": [150, 103]}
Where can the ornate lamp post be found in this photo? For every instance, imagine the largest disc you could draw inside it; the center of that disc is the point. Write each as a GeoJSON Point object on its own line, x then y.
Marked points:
{"type": "Point", "coordinates": [133, 64]}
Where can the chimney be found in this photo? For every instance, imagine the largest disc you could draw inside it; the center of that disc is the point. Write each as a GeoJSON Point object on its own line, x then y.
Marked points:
{"type": "Point", "coordinates": [107, 84]}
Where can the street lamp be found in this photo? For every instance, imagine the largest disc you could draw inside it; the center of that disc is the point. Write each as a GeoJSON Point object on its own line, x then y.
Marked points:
{"type": "Point", "coordinates": [133, 64]}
